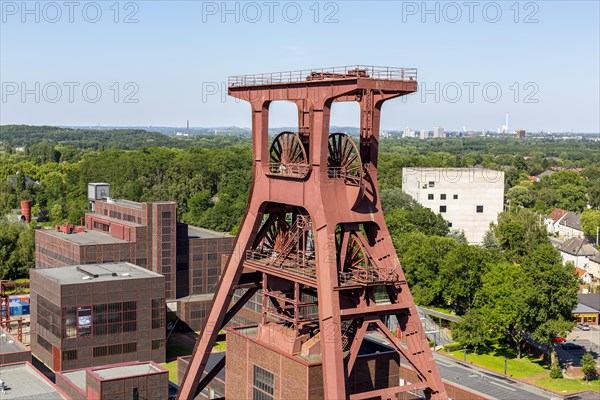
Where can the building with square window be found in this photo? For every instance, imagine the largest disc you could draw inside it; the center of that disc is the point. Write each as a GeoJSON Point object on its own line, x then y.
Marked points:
{"type": "Point", "coordinates": [125, 381]}
{"type": "Point", "coordinates": [468, 198]}
{"type": "Point", "coordinates": [90, 315]}
{"type": "Point", "coordinates": [145, 234]}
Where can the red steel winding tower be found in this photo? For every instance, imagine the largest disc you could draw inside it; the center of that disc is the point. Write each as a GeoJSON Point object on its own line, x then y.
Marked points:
{"type": "Point", "coordinates": [314, 233]}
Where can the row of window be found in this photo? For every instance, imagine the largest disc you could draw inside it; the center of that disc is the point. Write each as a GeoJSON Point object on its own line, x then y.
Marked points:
{"type": "Point", "coordinates": [110, 350]}
{"type": "Point", "coordinates": [263, 384]}
{"type": "Point", "coordinates": [105, 319]}
{"type": "Point", "coordinates": [431, 196]}
{"type": "Point", "coordinates": [478, 209]}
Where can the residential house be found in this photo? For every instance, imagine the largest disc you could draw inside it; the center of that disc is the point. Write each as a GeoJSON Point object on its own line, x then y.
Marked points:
{"type": "Point", "coordinates": [553, 219]}
{"type": "Point", "coordinates": [579, 250]}
{"type": "Point", "coordinates": [569, 226]}
{"type": "Point", "coordinates": [584, 276]}
{"type": "Point", "coordinates": [594, 266]}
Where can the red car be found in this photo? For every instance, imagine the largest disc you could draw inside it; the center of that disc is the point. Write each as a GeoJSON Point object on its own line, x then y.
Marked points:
{"type": "Point", "coordinates": [559, 339]}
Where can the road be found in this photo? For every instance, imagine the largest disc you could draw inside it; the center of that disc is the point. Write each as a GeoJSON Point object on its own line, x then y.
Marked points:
{"type": "Point", "coordinates": [590, 340]}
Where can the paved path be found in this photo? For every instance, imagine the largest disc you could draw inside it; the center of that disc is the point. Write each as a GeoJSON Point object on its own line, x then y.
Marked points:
{"type": "Point", "coordinates": [490, 384]}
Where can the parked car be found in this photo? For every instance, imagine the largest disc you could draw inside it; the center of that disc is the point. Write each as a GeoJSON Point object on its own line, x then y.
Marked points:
{"type": "Point", "coordinates": [584, 327]}
{"type": "Point", "coordinates": [559, 339]}
{"type": "Point", "coordinates": [570, 346]}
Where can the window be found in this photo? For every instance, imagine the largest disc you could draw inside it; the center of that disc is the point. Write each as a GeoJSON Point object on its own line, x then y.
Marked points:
{"type": "Point", "coordinates": [69, 355]}
{"type": "Point", "coordinates": [158, 344]}
{"type": "Point", "coordinates": [430, 196]}
{"type": "Point", "coordinates": [479, 209]}
{"type": "Point", "coordinates": [455, 196]}
{"type": "Point", "coordinates": [431, 184]}
{"type": "Point", "coordinates": [263, 384]}
{"type": "Point", "coordinates": [442, 209]}
{"type": "Point", "coordinates": [158, 313]}
{"type": "Point", "coordinates": [166, 214]}
{"type": "Point", "coordinates": [442, 197]}
{"type": "Point", "coordinates": [449, 224]}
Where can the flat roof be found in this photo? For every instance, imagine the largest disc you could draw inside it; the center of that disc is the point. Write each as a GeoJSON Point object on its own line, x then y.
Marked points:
{"type": "Point", "coordinates": [124, 203]}
{"type": "Point", "coordinates": [96, 273]}
{"type": "Point", "coordinates": [77, 378]}
{"type": "Point", "coordinates": [25, 382]}
{"type": "Point", "coordinates": [196, 232]}
{"type": "Point", "coordinates": [87, 238]}
{"type": "Point", "coordinates": [125, 371]}
{"type": "Point", "coordinates": [9, 344]}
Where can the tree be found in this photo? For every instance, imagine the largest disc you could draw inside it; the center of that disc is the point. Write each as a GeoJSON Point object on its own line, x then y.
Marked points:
{"type": "Point", "coordinates": [461, 271]}
{"type": "Point", "coordinates": [473, 331]}
{"type": "Point", "coordinates": [519, 232]}
{"type": "Point", "coordinates": [555, 370]}
{"type": "Point", "coordinates": [590, 221]}
{"type": "Point", "coordinates": [503, 300]}
{"type": "Point", "coordinates": [490, 241]}
{"type": "Point", "coordinates": [519, 196]}
{"type": "Point", "coordinates": [588, 367]}
{"type": "Point", "coordinates": [420, 219]}
{"type": "Point", "coordinates": [393, 198]}
{"type": "Point", "coordinates": [420, 256]}
{"type": "Point", "coordinates": [571, 197]}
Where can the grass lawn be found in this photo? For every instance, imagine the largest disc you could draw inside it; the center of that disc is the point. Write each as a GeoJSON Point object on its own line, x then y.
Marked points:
{"type": "Point", "coordinates": [172, 368]}
{"type": "Point", "coordinates": [494, 360]}
{"type": "Point", "coordinates": [567, 385]}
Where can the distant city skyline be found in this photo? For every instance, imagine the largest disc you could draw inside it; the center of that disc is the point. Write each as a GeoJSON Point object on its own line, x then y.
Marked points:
{"type": "Point", "coordinates": [161, 63]}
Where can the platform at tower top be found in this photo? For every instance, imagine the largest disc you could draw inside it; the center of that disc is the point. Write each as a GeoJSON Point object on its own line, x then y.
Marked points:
{"type": "Point", "coordinates": [325, 74]}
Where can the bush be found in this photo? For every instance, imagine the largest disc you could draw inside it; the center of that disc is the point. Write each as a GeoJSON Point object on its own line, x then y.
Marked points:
{"type": "Point", "coordinates": [588, 367]}
{"type": "Point", "coordinates": [555, 370]}
{"type": "Point", "coordinates": [449, 348]}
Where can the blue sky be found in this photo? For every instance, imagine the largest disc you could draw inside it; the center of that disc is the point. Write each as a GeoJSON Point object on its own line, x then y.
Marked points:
{"type": "Point", "coordinates": [162, 67]}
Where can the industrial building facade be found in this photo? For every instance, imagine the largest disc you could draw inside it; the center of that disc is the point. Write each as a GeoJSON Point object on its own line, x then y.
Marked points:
{"type": "Point", "coordinates": [89, 315]}
{"type": "Point", "coordinates": [468, 198]}
{"type": "Point", "coordinates": [145, 234]}
{"type": "Point", "coordinates": [125, 381]}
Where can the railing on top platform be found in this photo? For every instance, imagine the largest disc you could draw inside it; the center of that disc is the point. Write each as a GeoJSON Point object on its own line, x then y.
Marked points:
{"type": "Point", "coordinates": [332, 73]}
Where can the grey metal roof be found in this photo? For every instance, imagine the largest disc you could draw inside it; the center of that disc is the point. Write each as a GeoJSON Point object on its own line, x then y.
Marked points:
{"type": "Point", "coordinates": [24, 382]}
{"type": "Point", "coordinates": [590, 300]}
{"type": "Point", "coordinates": [9, 344]}
{"type": "Point", "coordinates": [582, 308]}
{"type": "Point", "coordinates": [571, 220]}
{"type": "Point", "coordinates": [95, 273]}
{"type": "Point", "coordinates": [578, 247]}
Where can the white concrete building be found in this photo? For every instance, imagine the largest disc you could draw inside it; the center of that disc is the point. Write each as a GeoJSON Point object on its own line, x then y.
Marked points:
{"type": "Point", "coordinates": [469, 198]}
{"type": "Point", "coordinates": [580, 251]}
{"type": "Point", "coordinates": [438, 132]}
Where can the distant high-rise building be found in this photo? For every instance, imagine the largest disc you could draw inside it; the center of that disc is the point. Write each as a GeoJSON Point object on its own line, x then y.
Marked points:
{"type": "Point", "coordinates": [520, 133]}
{"type": "Point", "coordinates": [424, 134]}
{"type": "Point", "coordinates": [408, 133]}
{"type": "Point", "coordinates": [438, 132]}
{"type": "Point", "coordinates": [504, 130]}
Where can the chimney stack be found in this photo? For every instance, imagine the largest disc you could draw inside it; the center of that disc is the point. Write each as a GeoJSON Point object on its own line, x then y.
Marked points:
{"type": "Point", "coordinates": [26, 210]}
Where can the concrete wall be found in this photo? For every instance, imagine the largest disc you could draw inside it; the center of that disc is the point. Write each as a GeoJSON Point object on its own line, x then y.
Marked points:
{"type": "Point", "coordinates": [472, 186]}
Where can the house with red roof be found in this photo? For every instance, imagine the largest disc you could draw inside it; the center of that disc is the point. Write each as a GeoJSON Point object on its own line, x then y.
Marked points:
{"type": "Point", "coordinates": [553, 219]}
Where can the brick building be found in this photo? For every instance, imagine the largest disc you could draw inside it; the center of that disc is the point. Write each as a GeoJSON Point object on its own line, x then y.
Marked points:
{"type": "Point", "coordinates": [145, 234]}
{"type": "Point", "coordinates": [23, 381]}
{"type": "Point", "coordinates": [133, 380]}
{"type": "Point", "coordinates": [90, 315]}
{"type": "Point", "coordinates": [12, 350]}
